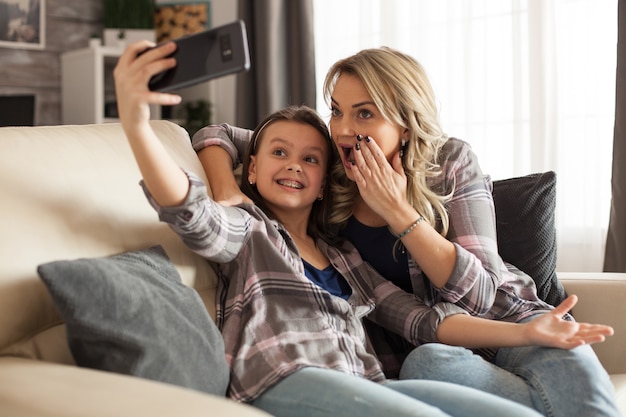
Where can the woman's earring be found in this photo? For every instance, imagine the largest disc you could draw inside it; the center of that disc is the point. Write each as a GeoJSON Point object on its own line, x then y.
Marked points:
{"type": "Point", "coordinates": [402, 147]}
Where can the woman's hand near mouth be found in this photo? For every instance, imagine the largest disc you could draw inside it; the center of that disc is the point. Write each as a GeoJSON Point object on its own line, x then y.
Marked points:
{"type": "Point", "coordinates": [382, 184]}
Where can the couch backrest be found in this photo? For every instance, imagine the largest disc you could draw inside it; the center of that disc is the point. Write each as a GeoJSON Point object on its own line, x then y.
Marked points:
{"type": "Point", "coordinates": [71, 192]}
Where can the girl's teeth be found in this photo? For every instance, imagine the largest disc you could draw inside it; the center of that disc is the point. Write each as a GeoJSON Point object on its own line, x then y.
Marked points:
{"type": "Point", "coordinates": [292, 184]}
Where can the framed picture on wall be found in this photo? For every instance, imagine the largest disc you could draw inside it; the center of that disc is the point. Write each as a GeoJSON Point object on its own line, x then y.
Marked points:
{"type": "Point", "coordinates": [22, 24]}
{"type": "Point", "coordinates": [176, 18]}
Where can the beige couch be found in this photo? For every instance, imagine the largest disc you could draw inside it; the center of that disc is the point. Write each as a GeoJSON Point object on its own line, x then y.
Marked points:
{"type": "Point", "coordinates": [72, 191]}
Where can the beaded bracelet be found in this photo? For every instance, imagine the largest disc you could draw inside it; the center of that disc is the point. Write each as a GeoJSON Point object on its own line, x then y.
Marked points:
{"type": "Point", "coordinates": [411, 227]}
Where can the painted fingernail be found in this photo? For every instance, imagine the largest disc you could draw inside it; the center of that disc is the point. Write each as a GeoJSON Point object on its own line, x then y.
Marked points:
{"type": "Point", "coordinates": [359, 138]}
{"type": "Point", "coordinates": [357, 146]}
{"type": "Point", "coordinates": [368, 139]}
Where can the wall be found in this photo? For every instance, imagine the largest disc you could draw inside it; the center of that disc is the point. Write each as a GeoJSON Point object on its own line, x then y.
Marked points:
{"type": "Point", "coordinates": [69, 25]}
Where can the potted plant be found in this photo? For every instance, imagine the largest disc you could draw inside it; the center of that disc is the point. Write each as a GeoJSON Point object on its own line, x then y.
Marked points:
{"type": "Point", "coordinates": [128, 20]}
{"type": "Point", "coordinates": [195, 115]}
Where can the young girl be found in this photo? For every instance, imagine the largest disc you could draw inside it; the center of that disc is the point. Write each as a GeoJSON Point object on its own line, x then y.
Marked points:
{"type": "Point", "coordinates": [418, 208]}
{"type": "Point", "coordinates": [290, 300]}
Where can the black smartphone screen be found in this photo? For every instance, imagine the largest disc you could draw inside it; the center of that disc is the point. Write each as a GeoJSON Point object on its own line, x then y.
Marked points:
{"type": "Point", "coordinates": [204, 56]}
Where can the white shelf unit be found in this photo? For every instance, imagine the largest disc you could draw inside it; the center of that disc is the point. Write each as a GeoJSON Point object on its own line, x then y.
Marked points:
{"type": "Point", "coordinates": [87, 85]}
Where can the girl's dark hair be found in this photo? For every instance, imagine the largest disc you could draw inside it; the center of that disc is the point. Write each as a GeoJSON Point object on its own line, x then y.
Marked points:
{"type": "Point", "coordinates": [318, 227]}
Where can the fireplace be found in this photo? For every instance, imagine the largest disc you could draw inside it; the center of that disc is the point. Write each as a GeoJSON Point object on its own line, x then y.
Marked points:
{"type": "Point", "coordinates": [17, 110]}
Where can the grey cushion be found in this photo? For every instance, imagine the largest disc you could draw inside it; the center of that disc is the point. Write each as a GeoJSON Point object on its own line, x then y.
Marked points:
{"type": "Point", "coordinates": [131, 314]}
{"type": "Point", "coordinates": [526, 229]}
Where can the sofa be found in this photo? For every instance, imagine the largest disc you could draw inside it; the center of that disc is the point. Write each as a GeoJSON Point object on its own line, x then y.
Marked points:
{"type": "Point", "coordinates": [72, 192]}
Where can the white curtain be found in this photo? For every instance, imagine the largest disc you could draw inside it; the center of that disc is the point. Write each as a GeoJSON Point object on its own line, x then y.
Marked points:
{"type": "Point", "coordinates": [530, 84]}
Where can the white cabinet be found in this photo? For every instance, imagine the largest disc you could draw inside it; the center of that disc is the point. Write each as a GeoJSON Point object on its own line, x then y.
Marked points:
{"type": "Point", "coordinates": [87, 86]}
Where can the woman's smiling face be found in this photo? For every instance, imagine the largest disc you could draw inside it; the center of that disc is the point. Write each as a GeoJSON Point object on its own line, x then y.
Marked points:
{"type": "Point", "coordinates": [353, 113]}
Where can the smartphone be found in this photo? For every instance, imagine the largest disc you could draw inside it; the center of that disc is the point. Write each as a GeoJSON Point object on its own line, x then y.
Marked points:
{"type": "Point", "coordinates": [205, 55]}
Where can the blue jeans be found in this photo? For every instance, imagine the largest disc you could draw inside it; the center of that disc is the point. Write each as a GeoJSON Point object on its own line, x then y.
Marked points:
{"type": "Point", "coordinates": [556, 382]}
{"type": "Point", "coordinates": [316, 392]}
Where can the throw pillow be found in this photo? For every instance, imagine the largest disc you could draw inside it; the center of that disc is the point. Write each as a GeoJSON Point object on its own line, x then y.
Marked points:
{"type": "Point", "coordinates": [526, 229]}
{"type": "Point", "coordinates": [131, 313]}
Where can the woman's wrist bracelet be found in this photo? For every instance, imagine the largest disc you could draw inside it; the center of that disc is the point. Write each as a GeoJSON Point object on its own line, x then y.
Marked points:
{"type": "Point", "coordinates": [411, 227]}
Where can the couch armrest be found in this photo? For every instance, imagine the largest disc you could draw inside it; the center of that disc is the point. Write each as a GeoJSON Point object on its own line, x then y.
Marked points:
{"type": "Point", "coordinates": [602, 299]}
{"type": "Point", "coordinates": [30, 388]}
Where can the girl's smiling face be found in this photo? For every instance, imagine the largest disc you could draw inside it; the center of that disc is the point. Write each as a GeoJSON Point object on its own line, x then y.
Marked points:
{"type": "Point", "coordinates": [353, 113]}
{"type": "Point", "coordinates": [289, 166]}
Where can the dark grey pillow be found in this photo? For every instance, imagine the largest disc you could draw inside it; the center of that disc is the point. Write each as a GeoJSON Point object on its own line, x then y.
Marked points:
{"type": "Point", "coordinates": [526, 229]}
{"type": "Point", "coordinates": [131, 314]}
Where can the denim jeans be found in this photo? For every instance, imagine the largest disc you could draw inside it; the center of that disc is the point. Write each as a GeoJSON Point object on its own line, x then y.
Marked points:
{"type": "Point", "coordinates": [315, 392]}
{"type": "Point", "coordinates": [556, 382]}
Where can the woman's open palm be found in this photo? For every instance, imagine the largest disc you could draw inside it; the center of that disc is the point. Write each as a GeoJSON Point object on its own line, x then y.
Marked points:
{"type": "Point", "coordinates": [552, 330]}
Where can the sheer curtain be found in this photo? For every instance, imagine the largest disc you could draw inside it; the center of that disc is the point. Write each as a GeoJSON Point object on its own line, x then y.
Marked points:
{"type": "Point", "coordinates": [530, 84]}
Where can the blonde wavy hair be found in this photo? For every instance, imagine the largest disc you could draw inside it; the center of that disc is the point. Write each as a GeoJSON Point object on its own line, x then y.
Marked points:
{"type": "Point", "coordinates": [400, 88]}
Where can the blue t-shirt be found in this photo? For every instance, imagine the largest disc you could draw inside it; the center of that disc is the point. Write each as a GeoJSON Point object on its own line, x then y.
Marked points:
{"type": "Point", "coordinates": [329, 279]}
{"type": "Point", "coordinates": [393, 265]}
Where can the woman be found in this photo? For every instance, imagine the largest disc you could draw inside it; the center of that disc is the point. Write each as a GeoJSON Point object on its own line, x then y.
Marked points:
{"type": "Point", "coordinates": [417, 206]}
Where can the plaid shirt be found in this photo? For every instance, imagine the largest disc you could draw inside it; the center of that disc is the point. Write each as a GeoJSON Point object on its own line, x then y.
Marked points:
{"type": "Point", "coordinates": [274, 320]}
{"type": "Point", "coordinates": [481, 282]}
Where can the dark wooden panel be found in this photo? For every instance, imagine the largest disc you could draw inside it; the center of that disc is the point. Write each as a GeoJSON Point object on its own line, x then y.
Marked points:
{"type": "Point", "coordinates": [66, 35]}
{"type": "Point", "coordinates": [22, 68]}
{"type": "Point", "coordinates": [84, 10]}
{"type": "Point", "coordinates": [48, 107]}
